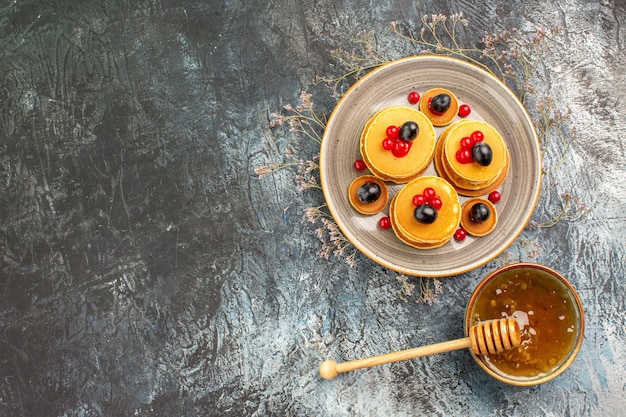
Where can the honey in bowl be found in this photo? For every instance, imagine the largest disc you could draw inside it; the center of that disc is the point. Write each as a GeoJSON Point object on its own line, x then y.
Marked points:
{"type": "Point", "coordinates": [548, 312]}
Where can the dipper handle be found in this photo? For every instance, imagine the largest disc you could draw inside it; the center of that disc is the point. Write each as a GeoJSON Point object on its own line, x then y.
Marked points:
{"type": "Point", "coordinates": [493, 336]}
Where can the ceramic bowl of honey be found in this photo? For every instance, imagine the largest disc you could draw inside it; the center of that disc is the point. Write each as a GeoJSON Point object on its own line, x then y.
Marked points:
{"type": "Point", "coordinates": [549, 313]}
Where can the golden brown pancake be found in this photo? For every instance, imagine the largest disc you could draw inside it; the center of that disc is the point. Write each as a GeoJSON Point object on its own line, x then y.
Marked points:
{"type": "Point", "coordinates": [382, 162]}
{"type": "Point", "coordinates": [440, 119]}
{"type": "Point", "coordinates": [448, 216]}
{"type": "Point", "coordinates": [478, 229]}
{"type": "Point", "coordinates": [368, 208]}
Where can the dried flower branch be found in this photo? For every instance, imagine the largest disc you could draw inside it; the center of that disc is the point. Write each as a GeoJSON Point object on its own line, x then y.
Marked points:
{"type": "Point", "coordinates": [555, 137]}
{"type": "Point", "coordinates": [511, 55]}
{"type": "Point", "coordinates": [355, 63]}
{"type": "Point", "coordinates": [552, 125]}
{"type": "Point", "coordinates": [333, 241]}
{"type": "Point", "coordinates": [429, 289]}
{"type": "Point", "coordinates": [301, 119]}
{"type": "Point", "coordinates": [571, 209]}
{"type": "Point", "coordinates": [305, 122]}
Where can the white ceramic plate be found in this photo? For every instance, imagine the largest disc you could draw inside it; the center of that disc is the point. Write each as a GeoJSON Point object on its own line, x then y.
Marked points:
{"type": "Point", "coordinates": [491, 101]}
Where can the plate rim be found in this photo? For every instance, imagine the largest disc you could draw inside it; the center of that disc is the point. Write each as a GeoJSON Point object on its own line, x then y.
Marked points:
{"type": "Point", "coordinates": [449, 272]}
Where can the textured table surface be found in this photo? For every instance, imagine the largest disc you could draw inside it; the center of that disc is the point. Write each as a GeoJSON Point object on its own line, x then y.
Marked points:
{"type": "Point", "coordinates": [147, 269]}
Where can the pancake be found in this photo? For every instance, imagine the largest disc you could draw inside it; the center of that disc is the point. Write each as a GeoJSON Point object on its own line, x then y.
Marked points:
{"type": "Point", "coordinates": [478, 229]}
{"type": "Point", "coordinates": [473, 175]}
{"type": "Point", "coordinates": [368, 208]}
{"type": "Point", "coordinates": [445, 118]}
{"type": "Point", "coordinates": [444, 171]}
{"type": "Point", "coordinates": [399, 233]}
{"type": "Point", "coordinates": [448, 216]}
{"type": "Point", "coordinates": [382, 162]}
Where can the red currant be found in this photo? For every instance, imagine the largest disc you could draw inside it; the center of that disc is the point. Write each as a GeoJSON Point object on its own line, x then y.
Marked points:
{"type": "Point", "coordinates": [384, 222]}
{"type": "Point", "coordinates": [400, 148]}
{"type": "Point", "coordinates": [464, 156]}
{"type": "Point", "coordinates": [393, 132]}
{"type": "Point", "coordinates": [466, 143]}
{"type": "Point", "coordinates": [464, 110]}
{"type": "Point", "coordinates": [477, 136]}
{"type": "Point", "coordinates": [359, 165]}
{"type": "Point", "coordinates": [414, 97]}
{"type": "Point", "coordinates": [460, 235]}
{"type": "Point", "coordinates": [494, 196]}
{"type": "Point", "coordinates": [436, 203]}
{"type": "Point", "coordinates": [388, 144]}
{"type": "Point", "coordinates": [429, 193]}
{"type": "Point", "coordinates": [418, 200]}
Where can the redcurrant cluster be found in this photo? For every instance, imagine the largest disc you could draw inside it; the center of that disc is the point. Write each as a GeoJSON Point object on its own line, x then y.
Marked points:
{"type": "Point", "coordinates": [398, 140]}
{"type": "Point", "coordinates": [464, 155]}
{"type": "Point", "coordinates": [429, 195]}
{"type": "Point", "coordinates": [427, 205]}
{"type": "Point", "coordinates": [393, 143]}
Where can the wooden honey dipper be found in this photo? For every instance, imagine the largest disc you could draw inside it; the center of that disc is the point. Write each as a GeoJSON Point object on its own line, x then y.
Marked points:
{"type": "Point", "coordinates": [492, 336]}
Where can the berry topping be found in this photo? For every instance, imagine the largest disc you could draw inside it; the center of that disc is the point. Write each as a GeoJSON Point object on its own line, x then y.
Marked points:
{"type": "Point", "coordinates": [477, 136]}
{"type": "Point", "coordinates": [409, 131]}
{"type": "Point", "coordinates": [414, 97]}
{"type": "Point", "coordinates": [464, 156]}
{"type": "Point", "coordinates": [400, 148]}
{"type": "Point", "coordinates": [369, 192]}
{"type": "Point", "coordinates": [436, 203]}
{"type": "Point", "coordinates": [479, 213]}
{"type": "Point", "coordinates": [392, 132]}
{"type": "Point", "coordinates": [425, 213]}
{"type": "Point", "coordinates": [429, 193]}
{"type": "Point", "coordinates": [473, 149]}
{"type": "Point", "coordinates": [398, 139]}
{"type": "Point", "coordinates": [494, 196]}
{"type": "Point", "coordinates": [359, 165]}
{"type": "Point", "coordinates": [429, 196]}
{"type": "Point", "coordinates": [440, 103]}
{"type": "Point", "coordinates": [426, 205]}
{"type": "Point", "coordinates": [464, 110]}
{"type": "Point", "coordinates": [466, 143]}
{"type": "Point", "coordinates": [388, 144]}
{"type": "Point", "coordinates": [418, 199]}
{"type": "Point", "coordinates": [384, 222]}
{"type": "Point", "coordinates": [482, 154]}
{"type": "Point", "coordinates": [460, 234]}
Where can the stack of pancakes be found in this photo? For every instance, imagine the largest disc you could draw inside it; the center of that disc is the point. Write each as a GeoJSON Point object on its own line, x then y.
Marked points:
{"type": "Point", "coordinates": [471, 179]}
{"type": "Point", "coordinates": [382, 162]}
{"type": "Point", "coordinates": [420, 235]}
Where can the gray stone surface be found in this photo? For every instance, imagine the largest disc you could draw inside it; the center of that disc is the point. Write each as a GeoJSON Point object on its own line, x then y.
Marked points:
{"type": "Point", "coordinates": [147, 270]}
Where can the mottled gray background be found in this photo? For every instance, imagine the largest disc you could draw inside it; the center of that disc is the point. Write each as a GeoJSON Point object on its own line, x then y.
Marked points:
{"type": "Point", "coordinates": [146, 270]}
